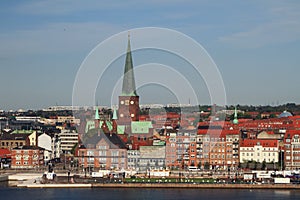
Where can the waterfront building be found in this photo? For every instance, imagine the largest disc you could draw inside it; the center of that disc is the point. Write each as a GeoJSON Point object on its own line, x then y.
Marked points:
{"type": "Point", "coordinates": [259, 151]}
{"type": "Point", "coordinates": [133, 157]}
{"type": "Point", "coordinates": [218, 148]}
{"type": "Point", "coordinates": [27, 157]}
{"type": "Point", "coordinates": [292, 150]}
{"type": "Point", "coordinates": [181, 149]}
{"type": "Point", "coordinates": [102, 151]}
{"type": "Point", "coordinates": [151, 157]}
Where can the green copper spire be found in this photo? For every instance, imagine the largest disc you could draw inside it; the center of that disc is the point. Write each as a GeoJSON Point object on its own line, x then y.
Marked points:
{"type": "Point", "coordinates": [97, 116]}
{"type": "Point", "coordinates": [128, 88]}
{"type": "Point", "coordinates": [235, 120]}
{"type": "Point", "coordinates": [115, 116]}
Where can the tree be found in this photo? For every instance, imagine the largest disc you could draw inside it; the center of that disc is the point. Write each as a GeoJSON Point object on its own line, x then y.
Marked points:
{"type": "Point", "coordinates": [199, 165]}
{"type": "Point", "coordinates": [264, 165]}
{"type": "Point", "coordinates": [206, 165]}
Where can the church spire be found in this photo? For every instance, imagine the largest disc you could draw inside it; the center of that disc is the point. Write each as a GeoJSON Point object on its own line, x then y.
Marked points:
{"type": "Point", "coordinates": [128, 88]}
{"type": "Point", "coordinates": [97, 116]}
{"type": "Point", "coordinates": [235, 120]}
{"type": "Point", "coordinates": [115, 116]}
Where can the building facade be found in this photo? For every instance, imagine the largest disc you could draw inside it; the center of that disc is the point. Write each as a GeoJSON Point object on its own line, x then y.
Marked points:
{"type": "Point", "coordinates": [292, 150]}
{"type": "Point", "coordinates": [27, 157]}
{"type": "Point", "coordinates": [181, 149]}
{"type": "Point", "coordinates": [218, 149]}
{"type": "Point", "coordinates": [103, 151]}
{"type": "Point", "coordinates": [259, 151]}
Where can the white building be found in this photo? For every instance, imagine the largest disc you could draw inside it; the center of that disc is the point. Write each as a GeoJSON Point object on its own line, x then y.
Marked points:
{"type": "Point", "coordinates": [68, 139]}
{"type": "Point", "coordinates": [259, 150]}
{"type": "Point", "coordinates": [133, 157]}
{"type": "Point", "coordinates": [45, 142]}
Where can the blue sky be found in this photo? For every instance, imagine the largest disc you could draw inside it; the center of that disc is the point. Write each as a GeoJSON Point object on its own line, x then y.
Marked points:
{"type": "Point", "coordinates": [254, 43]}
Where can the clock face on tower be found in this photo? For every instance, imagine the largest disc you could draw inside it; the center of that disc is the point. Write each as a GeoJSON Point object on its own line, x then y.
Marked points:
{"type": "Point", "coordinates": [131, 102]}
{"type": "Point", "coordinates": [122, 102]}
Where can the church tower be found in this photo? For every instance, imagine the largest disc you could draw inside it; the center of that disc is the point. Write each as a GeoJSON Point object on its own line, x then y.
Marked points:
{"type": "Point", "coordinates": [129, 100]}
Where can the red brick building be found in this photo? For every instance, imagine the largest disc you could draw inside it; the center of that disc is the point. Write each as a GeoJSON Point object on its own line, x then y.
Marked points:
{"type": "Point", "coordinates": [292, 150]}
{"type": "Point", "coordinates": [181, 149]}
{"type": "Point", "coordinates": [218, 149]}
{"type": "Point", "coordinates": [103, 151]}
{"type": "Point", "coordinates": [27, 157]}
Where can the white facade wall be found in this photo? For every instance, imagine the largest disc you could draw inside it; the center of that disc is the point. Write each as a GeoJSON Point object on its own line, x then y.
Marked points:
{"type": "Point", "coordinates": [45, 142]}
{"type": "Point", "coordinates": [259, 153]}
{"type": "Point", "coordinates": [68, 139]}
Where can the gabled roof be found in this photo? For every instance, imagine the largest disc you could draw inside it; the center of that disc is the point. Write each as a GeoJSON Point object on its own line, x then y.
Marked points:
{"type": "Point", "coordinates": [96, 135]}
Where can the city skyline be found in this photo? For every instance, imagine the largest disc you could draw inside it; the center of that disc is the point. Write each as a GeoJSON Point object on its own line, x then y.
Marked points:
{"type": "Point", "coordinates": [254, 45]}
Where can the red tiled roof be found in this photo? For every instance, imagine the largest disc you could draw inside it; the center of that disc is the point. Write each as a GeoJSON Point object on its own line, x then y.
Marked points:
{"type": "Point", "coordinates": [5, 153]}
{"type": "Point", "coordinates": [217, 132]}
{"type": "Point", "coordinates": [264, 143]}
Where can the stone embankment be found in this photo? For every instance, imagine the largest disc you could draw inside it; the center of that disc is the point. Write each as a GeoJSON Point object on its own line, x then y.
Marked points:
{"type": "Point", "coordinates": [33, 180]}
{"type": "Point", "coordinates": [184, 185]}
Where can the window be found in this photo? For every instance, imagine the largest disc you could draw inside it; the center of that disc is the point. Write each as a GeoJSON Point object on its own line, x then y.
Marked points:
{"type": "Point", "coordinates": [102, 153]}
{"type": "Point", "coordinates": [102, 160]}
{"type": "Point", "coordinates": [90, 153]}
{"type": "Point", "coordinates": [115, 153]}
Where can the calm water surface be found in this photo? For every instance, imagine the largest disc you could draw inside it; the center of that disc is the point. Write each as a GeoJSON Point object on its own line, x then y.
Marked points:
{"type": "Point", "coordinates": [139, 193]}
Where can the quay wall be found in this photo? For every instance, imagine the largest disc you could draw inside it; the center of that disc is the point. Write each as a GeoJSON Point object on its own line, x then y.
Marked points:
{"type": "Point", "coordinates": [205, 186]}
{"type": "Point", "coordinates": [3, 178]}
{"type": "Point", "coordinates": [165, 185]}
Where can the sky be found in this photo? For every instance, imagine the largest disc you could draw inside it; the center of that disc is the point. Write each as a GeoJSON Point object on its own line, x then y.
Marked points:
{"type": "Point", "coordinates": [255, 45]}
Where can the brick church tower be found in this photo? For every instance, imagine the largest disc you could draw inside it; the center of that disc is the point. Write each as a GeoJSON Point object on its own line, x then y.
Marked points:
{"type": "Point", "coordinates": [129, 100]}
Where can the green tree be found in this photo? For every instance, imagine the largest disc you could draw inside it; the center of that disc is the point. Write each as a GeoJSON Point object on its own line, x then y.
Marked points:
{"type": "Point", "coordinates": [206, 165]}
